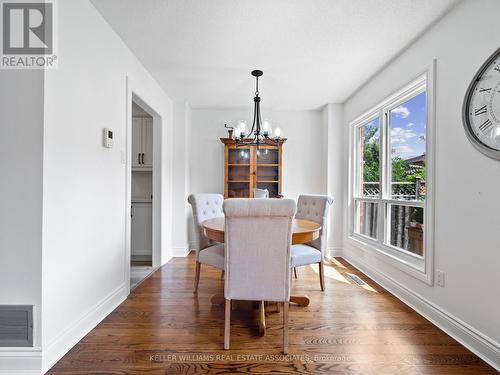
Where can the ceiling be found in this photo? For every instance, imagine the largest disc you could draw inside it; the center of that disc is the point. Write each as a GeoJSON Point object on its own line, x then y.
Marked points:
{"type": "Point", "coordinates": [312, 52]}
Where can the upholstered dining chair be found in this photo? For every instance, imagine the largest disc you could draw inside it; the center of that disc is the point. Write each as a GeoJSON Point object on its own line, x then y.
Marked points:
{"type": "Point", "coordinates": [313, 208]}
{"type": "Point", "coordinates": [258, 234]}
{"type": "Point", "coordinates": [260, 193]}
{"type": "Point", "coordinates": [206, 206]}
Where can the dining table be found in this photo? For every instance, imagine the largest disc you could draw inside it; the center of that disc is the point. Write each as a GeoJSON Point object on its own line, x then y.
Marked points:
{"type": "Point", "coordinates": [303, 231]}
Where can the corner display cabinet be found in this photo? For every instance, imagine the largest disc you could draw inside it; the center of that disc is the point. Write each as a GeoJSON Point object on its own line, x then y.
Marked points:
{"type": "Point", "coordinates": [247, 168]}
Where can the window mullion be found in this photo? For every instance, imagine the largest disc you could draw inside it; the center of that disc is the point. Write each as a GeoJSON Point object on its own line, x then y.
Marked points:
{"type": "Point", "coordinates": [386, 155]}
{"type": "Point", "coordinates": [358, 192]}
{"type": "Point", "coordinates": [382, 217]}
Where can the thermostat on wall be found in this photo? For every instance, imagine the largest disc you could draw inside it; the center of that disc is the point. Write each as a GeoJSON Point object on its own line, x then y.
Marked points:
{"type": "Point", "coordinates": [107, 138]}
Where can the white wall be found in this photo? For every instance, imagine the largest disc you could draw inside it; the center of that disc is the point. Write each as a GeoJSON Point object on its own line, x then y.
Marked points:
{"type": "Point", "coordinates": [21, 149]}
{"type": "Point", "coordinates": [466, 187]}
{"type": "Point", "coordinates": [333, 117]}
{"type": "Point", "coordinates": [304, 164]}
{"type": "Point", "coordinates": [303, 161]}
{"type": "Point", "coordinates": [84, 192]}
{"type": "Point", "coordinates": [182, 113]}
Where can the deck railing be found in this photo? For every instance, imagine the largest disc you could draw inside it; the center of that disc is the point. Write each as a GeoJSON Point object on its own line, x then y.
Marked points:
{"type": "Point", "coordinates": [403, 190]}
{"type": "Point", "coordinates": [402, 220]}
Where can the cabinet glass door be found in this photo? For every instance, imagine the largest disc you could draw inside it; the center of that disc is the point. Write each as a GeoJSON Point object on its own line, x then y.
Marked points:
{"type": "Point", "coordinates": [238, 172]}
{"type": "Point", "coordinates": [267, 170]}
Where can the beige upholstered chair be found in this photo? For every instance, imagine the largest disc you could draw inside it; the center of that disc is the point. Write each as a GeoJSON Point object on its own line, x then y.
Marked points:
{"type": "Point", "coordinates": [206, 206]}
{"type": "Point", "coordinates": [258, 237]}
{"type": "Point", "coordinates": [313, 208]}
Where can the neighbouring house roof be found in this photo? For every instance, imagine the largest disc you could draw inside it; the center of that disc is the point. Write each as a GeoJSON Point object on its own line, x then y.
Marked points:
{"type": "Point", "coordinates": [416, 159]}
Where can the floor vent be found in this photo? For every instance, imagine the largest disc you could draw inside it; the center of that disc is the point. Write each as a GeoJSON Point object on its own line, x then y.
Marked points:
{"type": "Point", "coordinates": [356, 279]}
{"type": "Point", "coordinates": [16, 325]}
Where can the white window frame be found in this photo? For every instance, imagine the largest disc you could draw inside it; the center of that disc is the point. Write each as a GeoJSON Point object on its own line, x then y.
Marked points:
{"type": "Point", "coordinates": [418, 266]}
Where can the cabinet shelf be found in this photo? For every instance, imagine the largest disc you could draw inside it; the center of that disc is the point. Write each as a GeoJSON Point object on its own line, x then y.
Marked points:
{"type": "Point", "coordinates": [238, 165]}
{"type": "Point", "coordinates": [267, 181]}
{"type": "Point", "coordinates": [141, 200]}
{"type": "Point", "coordinates": [238, 180]}
{"type": "Point", "coordinates": [267, 165]}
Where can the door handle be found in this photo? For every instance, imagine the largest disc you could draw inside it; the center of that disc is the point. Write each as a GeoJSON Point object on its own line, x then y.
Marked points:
{"type": "Point", "coordinates": [138, 158]}
{"type": "Point", "coordinates": [132, 211]}
{"type": "Point", "coordinates": [143, 158]}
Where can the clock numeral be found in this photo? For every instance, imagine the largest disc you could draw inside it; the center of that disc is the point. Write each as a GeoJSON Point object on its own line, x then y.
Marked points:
{"type": "Point", "coordinates": [486, 126]}
{"type": "Point", "coordinates": [480, 111]}
{"type": "Point", "coordinates": [485, 90]}
{"type": "Point", "coordinates": [497, 68]}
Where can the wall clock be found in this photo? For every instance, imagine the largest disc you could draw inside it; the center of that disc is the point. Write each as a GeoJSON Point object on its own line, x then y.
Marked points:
{"type": "Point", "coordinates": [481, 109]}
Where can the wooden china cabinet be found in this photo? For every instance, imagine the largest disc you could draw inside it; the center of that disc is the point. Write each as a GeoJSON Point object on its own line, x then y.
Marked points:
{"type": "Point", "coordinates": [246, 168]}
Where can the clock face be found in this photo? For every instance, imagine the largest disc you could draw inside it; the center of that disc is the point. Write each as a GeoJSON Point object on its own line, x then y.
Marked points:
{"type": "Point", "coordinates": [481, 112]}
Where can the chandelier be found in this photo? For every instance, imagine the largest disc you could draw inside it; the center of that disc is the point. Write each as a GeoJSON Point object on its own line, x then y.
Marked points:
{"type": "Point", "coordinates": [259, 134]}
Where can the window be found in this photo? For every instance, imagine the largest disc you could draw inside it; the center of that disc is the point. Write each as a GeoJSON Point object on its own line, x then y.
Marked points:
{"type": "Point", "coordinates": [369, 176]}
{"type": "Point", "coordinates": [406, 126]}
{"type": "Point", "coordinates": [389, 178]}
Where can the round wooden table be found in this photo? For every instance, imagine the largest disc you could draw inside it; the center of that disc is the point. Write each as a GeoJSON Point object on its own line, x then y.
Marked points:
{"type": "Point", "coordinates": [303, 231]}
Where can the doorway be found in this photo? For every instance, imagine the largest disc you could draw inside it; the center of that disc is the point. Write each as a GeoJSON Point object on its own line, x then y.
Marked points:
{"type": "Point", "coordinates": [141, 187]}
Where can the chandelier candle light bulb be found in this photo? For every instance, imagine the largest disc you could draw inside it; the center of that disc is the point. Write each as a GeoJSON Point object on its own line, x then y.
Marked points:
{"type": "Point", "coordinates": [242, 129]}
{"type": "Point", "coordinates": [277, 133]}
{"type": "Point", "coordinates": [266, 128]}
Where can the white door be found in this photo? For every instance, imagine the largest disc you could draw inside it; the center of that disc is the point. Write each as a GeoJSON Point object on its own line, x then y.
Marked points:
{"type": "Point", "coordinates": [142, 229]}
{"type": "Point", "coordinates": [147, 141]}
{"type": "Point", "coordinates": [136, 142]}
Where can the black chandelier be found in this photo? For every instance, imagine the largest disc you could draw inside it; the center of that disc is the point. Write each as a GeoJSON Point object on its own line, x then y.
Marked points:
{"type": "Point", "coordinates": [258, 134]}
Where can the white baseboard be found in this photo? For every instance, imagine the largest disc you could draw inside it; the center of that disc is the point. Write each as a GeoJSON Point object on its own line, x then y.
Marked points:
{"type": "Point", "coordinates": [477, 342]}
{"type": "Point", "coordinates": [141, 258]}
{"type": "Point", "coordinates": [334, 251]}
{"type": "Point", "coordinates": [141, 252]}
{"type": "Point", "coordinates": [20, 361]}
{"type": "Point", "coordinates": [68, 338]}
{"type": "Point", "coordinates": [180, 251]}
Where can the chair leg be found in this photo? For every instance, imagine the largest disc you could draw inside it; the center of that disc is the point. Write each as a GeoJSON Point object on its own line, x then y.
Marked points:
{"type": "Point", "coordinates": [197, 277]}
{"type": "Point", "coordinates": [222, 275]}
{"type": "Point", "coordinates": [262, 319]}
{"type": "Point", "coordinates": [286, 304]}
{"type": "Point", "coordinates": [321, 276]}
{"type": "Point", "coordinates": [227, 324]}
{"type": "Point", "coordinates": [295, 271]}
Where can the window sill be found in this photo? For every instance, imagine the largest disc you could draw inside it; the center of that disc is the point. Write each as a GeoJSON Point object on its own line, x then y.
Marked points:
{"type": "Point", "coordinates": [408, 263]}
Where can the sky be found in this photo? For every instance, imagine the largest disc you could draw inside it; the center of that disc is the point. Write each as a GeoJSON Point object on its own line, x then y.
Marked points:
{"type": "Point", "coordinates": [408, 123]}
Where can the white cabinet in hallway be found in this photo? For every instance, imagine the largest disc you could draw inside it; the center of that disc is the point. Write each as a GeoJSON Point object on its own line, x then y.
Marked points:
{"type": "Point", "coordinates": [141, 232]}
{"type": "Point", "coordinates": [142, 142]}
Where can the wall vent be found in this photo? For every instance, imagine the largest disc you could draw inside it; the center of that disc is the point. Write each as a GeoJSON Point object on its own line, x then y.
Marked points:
{"type": "Point", "coordinates": [16, 325]}
{"type": "Point", "coordinates": [356, 279]}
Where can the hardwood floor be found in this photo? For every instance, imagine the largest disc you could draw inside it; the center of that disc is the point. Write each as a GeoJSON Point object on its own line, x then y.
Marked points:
{"type": "Point", "coordinates": [139, 270]}
{"type": "Point", "coordinates": [163, 328]}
